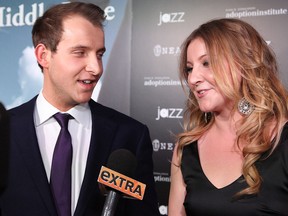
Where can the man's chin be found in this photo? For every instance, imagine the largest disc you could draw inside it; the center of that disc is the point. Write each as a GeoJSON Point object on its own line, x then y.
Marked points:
{"type": "Point", "coordinates": [83, 100]}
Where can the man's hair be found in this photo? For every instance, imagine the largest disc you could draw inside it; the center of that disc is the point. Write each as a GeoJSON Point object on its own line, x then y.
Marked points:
{"type": "Point", "coordinates": [48, 29]}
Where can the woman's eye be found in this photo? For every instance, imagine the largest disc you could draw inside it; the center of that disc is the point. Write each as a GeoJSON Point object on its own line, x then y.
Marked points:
{"type": "Point", "coordinates": [189, 69]}
{"type": "Point", "coordinates": [206, 64]}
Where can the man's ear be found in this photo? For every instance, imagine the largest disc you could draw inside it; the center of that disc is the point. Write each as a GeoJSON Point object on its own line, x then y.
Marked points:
{"type": "Point", "coordinates": [42, 55]}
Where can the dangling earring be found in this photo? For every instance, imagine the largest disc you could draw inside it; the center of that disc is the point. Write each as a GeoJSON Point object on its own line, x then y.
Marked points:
{"type": "Point", "coordinates": [207, 117]}
{"type": "Point", "coordinates": [244, 107]}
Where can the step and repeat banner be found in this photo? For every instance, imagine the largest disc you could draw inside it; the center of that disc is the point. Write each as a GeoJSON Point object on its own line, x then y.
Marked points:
{"type": "Point", "coordinates": [143, 41]}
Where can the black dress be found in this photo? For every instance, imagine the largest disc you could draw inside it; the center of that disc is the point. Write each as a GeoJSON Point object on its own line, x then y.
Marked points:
{"type": "Point", "coordinates": [204, 199]}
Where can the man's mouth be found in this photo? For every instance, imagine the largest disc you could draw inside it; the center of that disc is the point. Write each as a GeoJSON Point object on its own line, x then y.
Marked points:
{"type": "Point", "coordinates": [87, 81]}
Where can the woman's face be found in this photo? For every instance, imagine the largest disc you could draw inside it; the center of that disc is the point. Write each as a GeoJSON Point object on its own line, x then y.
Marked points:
{"type": "Point", "coordinates": [201, 79]}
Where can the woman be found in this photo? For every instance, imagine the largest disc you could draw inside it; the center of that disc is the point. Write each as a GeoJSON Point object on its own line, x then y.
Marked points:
{"type": "Point", "coordinates": [232, 158]}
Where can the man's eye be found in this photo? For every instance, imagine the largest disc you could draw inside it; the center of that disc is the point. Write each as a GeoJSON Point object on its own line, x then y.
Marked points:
{"type": "Point", "coordinates": [188, 69]}
{"type": "Point", "coordinates": [79, 53]}
{"type": "Point", "coordinates": [100, 55]}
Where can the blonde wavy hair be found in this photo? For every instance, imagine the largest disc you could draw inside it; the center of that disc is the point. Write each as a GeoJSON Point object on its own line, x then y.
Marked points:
{"type": "Point", "coordinates": [237, 44]}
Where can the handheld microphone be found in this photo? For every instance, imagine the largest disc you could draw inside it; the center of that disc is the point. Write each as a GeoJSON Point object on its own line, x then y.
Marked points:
{"type": "Point", "coordinates": [121, 164]}
{"type": "Point", "coordinates": [4, 146]}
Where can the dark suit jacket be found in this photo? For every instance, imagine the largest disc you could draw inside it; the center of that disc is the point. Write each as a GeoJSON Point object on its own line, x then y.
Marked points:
{"type": "Point", "coordinates": [28, 192]}
{"type": "Point", "coordinates": [4, 147]}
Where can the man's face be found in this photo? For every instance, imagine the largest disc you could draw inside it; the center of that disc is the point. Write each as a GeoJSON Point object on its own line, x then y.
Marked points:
{"type": "Point", "coordinates": [73, 71]}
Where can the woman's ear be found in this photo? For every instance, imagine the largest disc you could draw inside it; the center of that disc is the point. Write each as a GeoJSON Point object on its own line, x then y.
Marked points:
{"type": "Point", "coordinates": [42, 55]}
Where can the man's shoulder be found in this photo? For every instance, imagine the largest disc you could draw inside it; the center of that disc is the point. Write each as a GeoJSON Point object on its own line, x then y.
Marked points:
{"type": "Point", "coordinates": [25, 108]}
{"type": "Point", "coordinates": [112, 114]}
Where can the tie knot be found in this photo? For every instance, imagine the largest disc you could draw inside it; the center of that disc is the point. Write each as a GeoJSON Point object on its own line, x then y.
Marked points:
{"type": "Point", "coordinates": [62, 119]}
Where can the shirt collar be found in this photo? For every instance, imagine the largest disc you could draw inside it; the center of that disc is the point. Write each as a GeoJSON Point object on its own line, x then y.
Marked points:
{"type": "Point", "coordinates": [44, 111]}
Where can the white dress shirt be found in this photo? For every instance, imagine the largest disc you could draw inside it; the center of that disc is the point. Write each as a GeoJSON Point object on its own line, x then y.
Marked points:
{"type": "Point", "coordinates": [47, 130]}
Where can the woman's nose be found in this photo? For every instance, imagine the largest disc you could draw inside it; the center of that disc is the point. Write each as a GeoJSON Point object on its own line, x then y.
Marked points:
{"type": "Point", "coordinates": [195, 77]}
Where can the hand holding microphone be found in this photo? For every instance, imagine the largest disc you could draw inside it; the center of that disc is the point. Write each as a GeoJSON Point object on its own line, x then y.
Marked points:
{"type": "Point", "coordinates": [121, 164]}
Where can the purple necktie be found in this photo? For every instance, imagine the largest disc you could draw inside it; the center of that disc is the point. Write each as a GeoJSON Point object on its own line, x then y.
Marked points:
{"type": "Point", "coordinates": [60, 179]}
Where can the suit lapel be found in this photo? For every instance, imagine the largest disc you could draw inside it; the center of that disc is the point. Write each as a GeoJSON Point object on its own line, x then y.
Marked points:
{"type": "Point", "coordinates": [29, 148]}
{"type": "Point", "coordinates": [103, 130]}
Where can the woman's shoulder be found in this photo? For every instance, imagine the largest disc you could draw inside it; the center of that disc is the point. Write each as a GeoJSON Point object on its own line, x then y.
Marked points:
{"type": "Point", "coordinates": [190, 147]}
{"type": "Point", "coordinates": [284, 135]}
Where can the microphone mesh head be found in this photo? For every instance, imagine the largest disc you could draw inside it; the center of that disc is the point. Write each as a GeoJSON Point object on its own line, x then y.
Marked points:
{"type": "Point", "coordinates": [122, 161]}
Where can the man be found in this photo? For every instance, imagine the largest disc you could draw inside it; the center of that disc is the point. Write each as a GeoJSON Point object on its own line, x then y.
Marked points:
{"type": "Point", "coordinates": [69, 45]}
{"type": "Point", "coordinates": [4, 147]}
